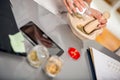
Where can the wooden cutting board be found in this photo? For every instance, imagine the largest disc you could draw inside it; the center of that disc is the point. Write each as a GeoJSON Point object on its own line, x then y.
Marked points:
{"type": "Point", "coordinates": [108, 40]}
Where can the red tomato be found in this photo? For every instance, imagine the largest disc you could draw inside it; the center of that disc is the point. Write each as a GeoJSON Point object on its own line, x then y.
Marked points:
{"type": "Point", "coordinates": [74, 53]}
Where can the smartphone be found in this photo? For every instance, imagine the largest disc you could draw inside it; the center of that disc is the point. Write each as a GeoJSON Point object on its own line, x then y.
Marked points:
{"type": "Point", "coordinates": [36, 36]}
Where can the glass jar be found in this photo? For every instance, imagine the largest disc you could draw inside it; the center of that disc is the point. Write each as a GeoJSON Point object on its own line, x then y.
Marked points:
{"type": "Point", "coordinates": [53, 66]}
{"type": "Point", "coordinates": [85, 10]}
{"type": "Point", "coordinates": [37, 55]}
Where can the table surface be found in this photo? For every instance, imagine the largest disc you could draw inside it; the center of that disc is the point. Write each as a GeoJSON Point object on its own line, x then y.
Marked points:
{"type": "Point", "coordinates": [16, 68]}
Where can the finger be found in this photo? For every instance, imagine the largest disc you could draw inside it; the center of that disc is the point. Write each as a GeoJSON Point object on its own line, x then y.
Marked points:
{"type": "Point", "coordinates": [102, 21]}
{"type": "Point", "coordinates": [47, 44]}
{"type": "Point", "coordinates": [96, 14]}
{"type": "Point", "coordinates": [101, 26]}
{"type": "Point", "coordinates": [77, 4]}
{"type": "Point", "coordinates": [82, 3]}
{"type": "Point", "coordinates": [71, 6]}
{"type": "Point", "coordinates": [67, 6]}
{"type": "Point", "coordinates": [45, 40]}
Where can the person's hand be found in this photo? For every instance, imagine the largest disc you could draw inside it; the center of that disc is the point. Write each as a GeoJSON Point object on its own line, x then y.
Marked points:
{"type": "Point", "coordinates": [99, 16]}
{"type": "Point", "coordinates": [39, 36]}
{"type": "Point", "coordinates": [72, 4]}
{"type": "Point", "coordinates": [102, 21]}
{"type": "Point", "coordinates": [46, 42]}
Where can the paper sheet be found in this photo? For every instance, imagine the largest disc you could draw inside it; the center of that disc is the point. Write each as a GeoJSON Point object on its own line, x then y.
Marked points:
{"type": "Point", "coordinates": [106, 68]}
{"type": "Point", "coordinates": [17, 42]}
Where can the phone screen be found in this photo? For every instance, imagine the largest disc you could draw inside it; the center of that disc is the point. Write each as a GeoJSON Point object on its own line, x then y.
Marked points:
{"type": "Point", "coordinates": [36, 36]}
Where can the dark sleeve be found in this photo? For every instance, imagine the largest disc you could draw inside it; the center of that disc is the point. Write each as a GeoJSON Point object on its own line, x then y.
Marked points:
{"type": "Point", "coordinates": [7, 25]}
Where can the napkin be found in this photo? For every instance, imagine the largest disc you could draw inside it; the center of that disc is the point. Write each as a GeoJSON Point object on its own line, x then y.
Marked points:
{"type": "Point", "coordinates": [17, 42]}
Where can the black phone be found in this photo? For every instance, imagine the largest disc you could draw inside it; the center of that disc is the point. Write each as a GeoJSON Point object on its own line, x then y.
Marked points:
{"type": "Point", "coordinates": [36, 36]}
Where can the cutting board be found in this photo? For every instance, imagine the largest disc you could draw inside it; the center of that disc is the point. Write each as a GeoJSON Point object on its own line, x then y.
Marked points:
{"type": "Point", "coordinates": [108, 40]}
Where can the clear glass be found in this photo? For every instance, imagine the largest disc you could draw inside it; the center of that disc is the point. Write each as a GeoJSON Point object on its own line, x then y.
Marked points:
{"type": "Point", "coordinates": [37, 55]}
{"type": "Point", "coordinates": [85, 10]}
{"type": "Point", "coordinates": [53, 66]}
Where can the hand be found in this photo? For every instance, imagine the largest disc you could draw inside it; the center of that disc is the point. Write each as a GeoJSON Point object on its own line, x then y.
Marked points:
{"type": "Point", "coordinates": [46, 42]}
{"type": "Point", "coordinates": [39, 36]}
{"type": "Point", "coordinates": [72, 4]}
{"type": "Point", "coordinates": [102, 21]}
{"type": "Point", "coordinates": [99, 16]}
